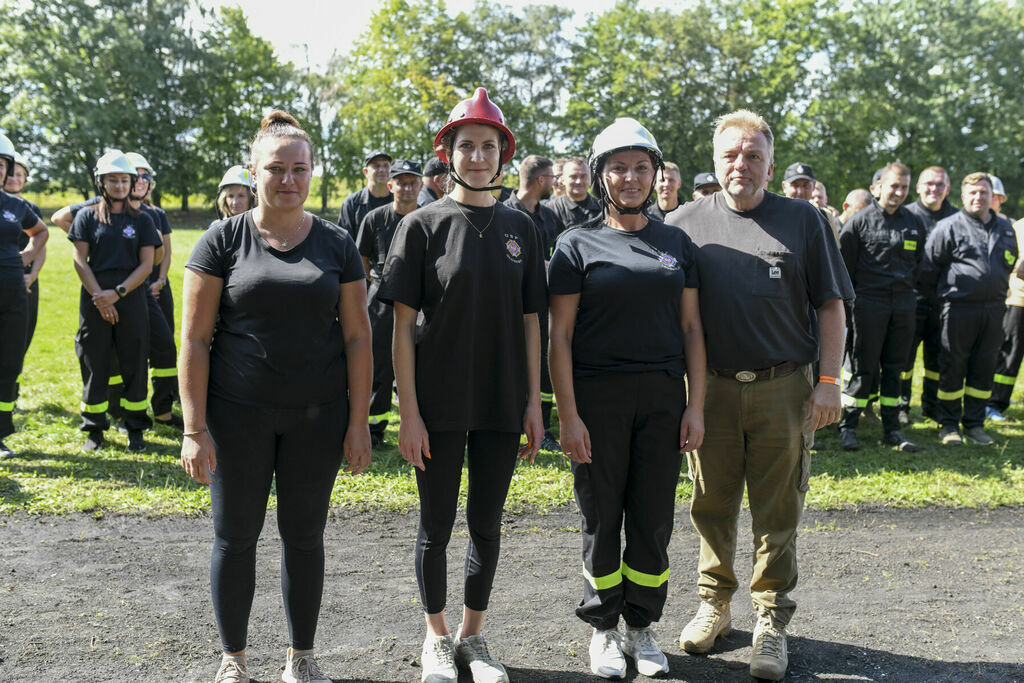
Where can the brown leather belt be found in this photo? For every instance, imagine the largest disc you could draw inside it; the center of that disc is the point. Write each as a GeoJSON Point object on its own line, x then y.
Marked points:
{"type": "Point", "coordinates": [779, 370]}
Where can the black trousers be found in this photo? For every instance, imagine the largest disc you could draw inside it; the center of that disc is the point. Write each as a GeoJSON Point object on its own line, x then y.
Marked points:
{"type": "Point", "coordinates": [382, 326]}
{"type": "Point", "coordinates": [302, 450]}
{"type": "Point", "coordinates": [163, 354]}
{"type": "Point", "coordinates": [882, 333]}
{"type": "Point", "coordinates": [971, 335]}
{"type": "Point", "coordinates": [491, 457]}
{"type": "Point", "coordinates": [13, 316]}
{"type": "Point", "coordinates": [547, 392]}
{"type": "Point", "coordinates": [927, 332]}
{"type": "Point", "coordinates": [96, 344]}
{"type": "Point", "coordinates": [633, 420]}
{"type": "Point", "coordinates": [1010, 355]}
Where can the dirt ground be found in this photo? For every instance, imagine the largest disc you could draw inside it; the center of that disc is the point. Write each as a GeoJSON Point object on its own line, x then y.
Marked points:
{"type": "Point", "coordinates": [884, 595]}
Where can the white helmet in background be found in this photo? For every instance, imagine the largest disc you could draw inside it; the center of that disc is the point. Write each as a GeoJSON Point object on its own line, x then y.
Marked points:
{"type": "Point", "coordinates": [237, 175]}
{"type": "Point", "coordinates": [7, 152]}
{"type": "Point", "coordinates": [20, 160]}
{"type": "Point", "coordinates": [139, 161]}
{"type": "Point", "coordinates": [997, 185]}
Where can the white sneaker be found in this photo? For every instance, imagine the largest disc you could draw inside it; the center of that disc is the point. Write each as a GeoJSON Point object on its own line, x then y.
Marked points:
{"type": "Point", "coordinates": [471, 652]}
{"type": "Point", "coordinates": [301, 667]}
{"type": "Point", "coordinates": [232, 670]}
{"type": "Point", "coordinates": [606, 658]}
{"type": "Point", "coordinates": [712, 620]}
{"type": "Point", "coordinates": [438, 660]}
{"type": "Point", "coordinates": [643, 648]}
{"type": "Point", "coordinates": [769, 658]}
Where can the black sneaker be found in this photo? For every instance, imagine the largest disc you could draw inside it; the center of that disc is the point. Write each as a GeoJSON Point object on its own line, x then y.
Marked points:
{"type": "Point", "coordinates": [950, 436]}
{"type": "Point", "coordinates": [136, 444]}
{"type": "Point", "coordinates": [5, 452]}
{"type": "Point", "coordinates": [94, 442]}
{"type": "Point", "coordinates": [549, 443]}
{"type": "Point", "coordinates": [896, 438]}
{"type": "Point", "coordinates": [377, 440]}
{"type": "Point", "coordinates": [175, 422]}
{"type": "Point", "coordinates": [848, 440]}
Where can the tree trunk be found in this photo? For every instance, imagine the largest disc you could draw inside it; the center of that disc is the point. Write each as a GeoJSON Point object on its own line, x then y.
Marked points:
{"type": "Point", "coordinates": [184, 201]}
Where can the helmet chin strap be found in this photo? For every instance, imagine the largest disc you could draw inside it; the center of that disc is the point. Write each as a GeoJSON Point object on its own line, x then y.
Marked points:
{"type": "Point", "coordinates": [459, 181]}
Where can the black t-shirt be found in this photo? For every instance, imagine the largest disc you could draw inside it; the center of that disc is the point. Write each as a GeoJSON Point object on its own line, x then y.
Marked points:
{"type": "Point", "coordinates": [654, 211]}
{"type": "Point", "coordinates": [114, 246]}
{"type": "Point", "coordinates": [159, 217]}
{"type": "Point", "coordinates": [427, 196]}
{"type": "Point", "coordinates": [75, 208]}
{"type": "Point", "coordinates": [543, 217]}
{"type": "Point", "coordinates": [763, 273]}
{"type": "Point", "coordinates": [630, 286]}
{"type": "Point", "coordinates": [473, 290]}
{"type": "Point", "coordinates": [882, 252]}
{"type": "Point", "coordinates": [572, 213]}
{"type": "Point", "coordinates": [16, 216]}
{"type": "Point", "coordinates": [375, 235]}
{"type": "Point", "coordinates": [356, 206]}
{"type": "Point", "coordinates": [277, 341]}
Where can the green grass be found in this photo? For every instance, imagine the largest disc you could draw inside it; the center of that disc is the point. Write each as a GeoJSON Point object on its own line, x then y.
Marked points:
{"type": "Point", "coordinates": [50, 474]}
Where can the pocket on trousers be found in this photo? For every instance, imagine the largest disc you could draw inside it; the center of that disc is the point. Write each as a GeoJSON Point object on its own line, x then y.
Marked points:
{"type": "Point", "coordinates": [804, 484]}
{"type": "Point", "coordinates": [693, 471]}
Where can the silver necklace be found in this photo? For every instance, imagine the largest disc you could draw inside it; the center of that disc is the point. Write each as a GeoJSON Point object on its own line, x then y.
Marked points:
{"type": "Point", "coordinates": [479, 231]}
{"type": "Point", "coordinates": [294, 231]}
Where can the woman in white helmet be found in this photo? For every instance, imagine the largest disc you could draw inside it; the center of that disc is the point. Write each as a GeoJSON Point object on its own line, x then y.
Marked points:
{"type": "Point", "coordinates": [625, 330]}
{"type": "Point", "coordinates": [235, 193]}
{"type": "Point", "coordinates": [16, 218]}
{"type": "Point", "coordinates": [114, 245]}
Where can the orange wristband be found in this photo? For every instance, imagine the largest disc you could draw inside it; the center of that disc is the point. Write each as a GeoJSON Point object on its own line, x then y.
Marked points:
{"type": "Point", "coordinates": [829, 380]}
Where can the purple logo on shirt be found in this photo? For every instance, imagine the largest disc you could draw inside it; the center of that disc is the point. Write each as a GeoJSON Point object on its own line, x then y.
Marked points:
{"type": "Point", "coordinates": [129, 231]}
{"type": "Point", "coordinates": [668, 261]}
{"type": "Point", "coordinates": [513, 248]}
{"type": "Point", "coordinates": [8, 216]}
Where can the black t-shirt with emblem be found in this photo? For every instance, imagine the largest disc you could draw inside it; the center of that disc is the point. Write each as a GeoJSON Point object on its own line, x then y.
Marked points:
{"type": "Point", "coordinates": [630, 285]}
{"type": "Point", "coordinates": [473, 272]}
{"type": "Point", "coordinates": [16, 216]}
{"type": "Point", "coordinates": [763, 273]}
{"type": "Point", "coordinates": [375, 235]}
{"type": "Point", "coordinates": [277, 341]}
{"type": "Point", "coordinates": [114, 246]}
{"type": "Point", "coordinates": [882, 252]}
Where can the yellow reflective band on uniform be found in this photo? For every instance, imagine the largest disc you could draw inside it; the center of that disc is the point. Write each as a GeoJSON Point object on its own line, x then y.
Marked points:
{"type": "Point", "coordinates": [1005, 379]}
{"type": "Point", "coordinates": [931, 374]}
{"type": "Point", "coordinates": [95, 407]}
{"type": "Point", "coordinates": [546, 396]}
{"type": "Point", "coordinates": [910, 245]}
{"type": "Point", "coordinates": [133, 405]}
{"type": "Point", "coordinates": [642, 579]}
{"type": "Point", "coordinates": [852, 402]}
{"type": "Point", "coordinates": [164, 372]}
{"type": "Point", "coordinates": [889, 401]}
{"type": "Point", "coordinates": [115, 379]}
{"type": "Point", "coordinates": [978, 393]}
{"type": "Point", "coordinates": [909, 374]}
{"type": "Point", "coordinates": [1008, 255]}
{"type": "Point", "coordinates": [6, 406]}
{"type": "Point", "coordinates": [949, 395]}
{"type": "Point", "coordinates": [603, 582]}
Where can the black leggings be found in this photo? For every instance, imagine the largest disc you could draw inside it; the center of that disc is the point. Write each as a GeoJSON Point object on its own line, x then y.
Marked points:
{"type": "Point", "coordinates": [303, 449]}
{"type": "Point", "coordinates": [492, 459]}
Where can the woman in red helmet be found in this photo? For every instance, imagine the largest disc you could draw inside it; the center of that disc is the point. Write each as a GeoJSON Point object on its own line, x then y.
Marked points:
{"type": "Point", "coordinates": [469, 378]}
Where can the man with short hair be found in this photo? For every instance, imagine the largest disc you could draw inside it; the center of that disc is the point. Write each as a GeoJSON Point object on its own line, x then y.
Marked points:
{"type": "Point", "coordinates": [376, 167]}
{"type": "Point", "coordinates": [820, 197]}
{"type": "Point", "coordinates": [557, 189]}
{"type": "Point", "coordinates": [576, 206]}
{"type": "Point", "coordinates": [932, 206]}
{"type": "Point", "coordinates": [854, 202]}
{"type": "Point", "coordinates": [666, 187]}
{"type": "Point", "coordinates": [374, 241]}
{"type": "Point", "coordinates": [968, 260]}
{"type": "Point", "coordinates": [798, 183]}
{"type": "Point", "coordinates": [767, 271]}
{"type": "Point", "coordinates": [874, 188]}
{"type": "Point", "coordinates": [882, 247]}
{"type": "Point", "coordinates": [434, 173]}
{"type": "Point", "coordinates": [705, 184]}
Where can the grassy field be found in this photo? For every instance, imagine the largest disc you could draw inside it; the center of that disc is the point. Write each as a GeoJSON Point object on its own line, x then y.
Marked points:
{"type": "Point", "coordinates": [51, 474]}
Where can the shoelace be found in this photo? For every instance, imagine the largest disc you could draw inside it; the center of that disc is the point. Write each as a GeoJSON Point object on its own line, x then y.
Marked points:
{"type": "Point", "coordinates": [441, 652]}
{"type": "Point", "coordinates": [231, 670]}
{"type": "Point", "coordinates": [609, 641]}
{"type": "Point", "coordinates": [306, 669]}
{"type": "Point", "coordinates": [707, 614]}
{"type": "Point", "coordinates": [479, 647]}
{"type": "Point", "coordinates": [769, 639]}
{"type": "Point", "coordinates": [645, 643]}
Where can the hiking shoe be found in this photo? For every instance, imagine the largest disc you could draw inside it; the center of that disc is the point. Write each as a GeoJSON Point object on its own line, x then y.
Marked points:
{"type": "Point", "coordinates": [136, 444]}
{"type": "Point", "coordinates": [950, 436]}
{"type": "Point", "coordinates": [5, 452]}
{"type": "Point", "coordinates": [438, 660]}
{"type": "Point", "coordinates": [232, 670]}
{"type": "Point", "coordinates": [549, 443]}
{"type": "Point", "coordinates": [769, 658]}
{"type": "Point", "coordinates": [978, 436]}
{"type": "Point", "coordinates": [712, 620]}
{"type": "Point", "coordinates": [896, 438]}
{"type": "Point", "coordinates": [643, 648]}
{"type": "Point", "coordinates": [994, 414]}
{"type": "Point", "coordinates": [93, 442]}
{"type": "Point", "coordinates": [848, 440]}
{"type": "Point", "coordinates": [471, 653]}
{"type": "Point", "coordinates": [606, 659]}
{"type": "Point", "coordinates": [301, 667]}
{"type": "Point", "coordinates": [903, 416]}
{"type": "Point", "coordinates": [174, 422]}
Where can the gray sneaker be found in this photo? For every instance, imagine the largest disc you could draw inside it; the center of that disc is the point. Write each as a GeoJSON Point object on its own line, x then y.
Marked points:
{"type": "Point", "coordinates": [712, 620]}
{"type": "Point", "coordinates": [301, 667]}
{"type": "Point", "coordinates": [769, 658]}
{"type": "Point", "coordinates": [471, 653]}
{"type": "Point", "coordinates": [978, 436]}
{"type": "Point", "coordinates": [232, 670]}
{"type": "Point", "coordinates": [643, 648]}
{"type": "Point", "coordinates": [438, 660]}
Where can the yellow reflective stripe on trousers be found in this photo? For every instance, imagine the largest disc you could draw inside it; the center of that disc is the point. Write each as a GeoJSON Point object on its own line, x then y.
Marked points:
{"type": "Point", "coordinates": [133, 405]}
{"type": "Point", "coordinates": [6, 406]}
{"type": "Point", "coordinates": [95, 407]}
{"type": "Point", "coordinates": [931, 374]}
{"type": "Point", "coordinates": [377, 419]}
{"type": "Point", "coordinates": [949, 395]}
{"type": "Point", "coordinates": [889, 401]}
{"type": "Point", "coordinates": [602, 582]}
{"type": "Point", "coordinates": [642, 579]}
{"type": "Point", "coordinates": [115, 379]}
{"type": "Point", "coordinates": [1005, 379]}
{"type": "Point", "coordinates": [908, 374]}
{"type": "Point", "coordinates": [544, 396]}
{"type": "Point", "coordinates": [978, 393]}
{"type": "Point", "coordinates": [164, 372]}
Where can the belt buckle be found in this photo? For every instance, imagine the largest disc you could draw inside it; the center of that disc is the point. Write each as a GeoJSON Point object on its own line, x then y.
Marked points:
{"type": "Point", "coordinates": [746, 376]}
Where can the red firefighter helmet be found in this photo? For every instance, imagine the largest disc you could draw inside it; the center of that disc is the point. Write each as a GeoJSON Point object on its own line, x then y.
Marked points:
{"type": "Point", "coordinates": [477, 109]}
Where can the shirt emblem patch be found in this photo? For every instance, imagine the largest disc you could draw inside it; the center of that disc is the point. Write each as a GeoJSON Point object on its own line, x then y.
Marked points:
{"type": "Point", "coordinates": [669, 261]}
{"type": "Point", "coordinates": [775, 272]}
{"type": "Point", "coordinates": [129, 231]}
{"type": "Point", "coordinates": [1008, 255]}
{"type": "Point", "coordinates": [8, 216]}
{"type": "Point", "coordinates": [513, 248]}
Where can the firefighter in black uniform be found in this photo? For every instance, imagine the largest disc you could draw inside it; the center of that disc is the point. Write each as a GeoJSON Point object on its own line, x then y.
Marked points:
{"type": "Point", "coordinates": [114, 245]}
{"type": "Point", "coordinates": [16, 218]}
{"type": "Point", "coordinates": [434, 173]}
{"type": "Point", "coordinates": [376, 168]}
{"type": "Point", "coordinates": [882, 247]}
{"type": "Point", "coordinates": [536, 180]}
{"type": "Point", "coordinates": [576, 206]}
{"type": "Point", "coordinates": [931, 207]}
{"type": "Point", "coordinates": [374, 241]}
{"type": "Point", "coordinates": [625, 416]}
{"type": "Point", "coordinates": [967, 262]}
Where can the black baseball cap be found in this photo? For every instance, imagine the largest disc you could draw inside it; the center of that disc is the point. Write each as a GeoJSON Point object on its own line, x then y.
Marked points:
{"type": "Point", "coordinates": [702, 179]}
{"type": "Point", "coordinates": [404, 167]}
{"type": "Point", "coordinates": [373, 155]}
{"type": "Point", "coordinates": [798, 171]}
{"type": "Point", "coordinates": [434, 167]}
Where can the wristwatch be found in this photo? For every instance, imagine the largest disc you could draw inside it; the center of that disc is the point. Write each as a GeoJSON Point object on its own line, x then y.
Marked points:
{"type": "Point", "coordinates": [121, 291]}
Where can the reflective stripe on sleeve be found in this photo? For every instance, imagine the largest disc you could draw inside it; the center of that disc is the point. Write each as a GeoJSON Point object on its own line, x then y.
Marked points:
{"type": "Point", "coordinates": [164, 372]}
{"type": "Point", "coordinates": [1005, 379]}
